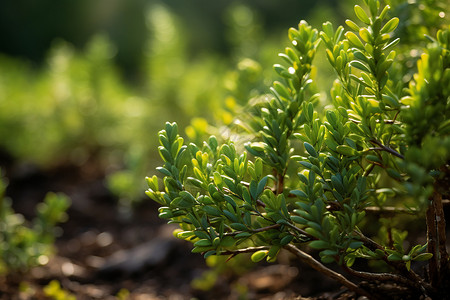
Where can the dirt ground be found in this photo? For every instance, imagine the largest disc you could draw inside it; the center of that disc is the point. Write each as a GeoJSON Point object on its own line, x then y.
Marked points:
{"type": "Point", "coordinates": [103, 254]}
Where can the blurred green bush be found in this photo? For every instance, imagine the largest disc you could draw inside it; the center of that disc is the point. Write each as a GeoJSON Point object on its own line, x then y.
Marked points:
{"type": "Point", "coordinates": [78, 109]}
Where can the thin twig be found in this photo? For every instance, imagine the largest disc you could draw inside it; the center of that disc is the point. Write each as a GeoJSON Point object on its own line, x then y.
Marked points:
{"type": "Point", "coordinates": [245, 250]}
{"type": "Point", "coordinates": [389, 210]}
{"type": "Point", "coordinates": [309, 260]}
{"type": "Point", "coordinates": [440, 227]}
{"type": "Point", "coordinates": [299, 230]}
{"type": "Point", "coordinates": [262, 229]}
{"type": "Point", "coordinates": [378, 276]}
{"type": "Point", "coordinates": [368, 242]}
{"type": "Point", "coordinates": [386, 148]}
{"type": "Point", "coordinates": [433, 269]}
{"type": "Point", "coordinates": [370, 169]}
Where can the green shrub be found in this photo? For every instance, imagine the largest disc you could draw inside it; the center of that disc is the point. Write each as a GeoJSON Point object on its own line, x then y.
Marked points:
{"type": "Point", "coordinates": [341, 180]}
{"type": "Point", "coordinates": [23, 246]}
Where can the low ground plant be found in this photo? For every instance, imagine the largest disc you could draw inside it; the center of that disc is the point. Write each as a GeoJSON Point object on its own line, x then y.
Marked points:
{"type": "Point", "coordinates": [332, 183]}
{"type": "Point", "coordinates": [24, 244]}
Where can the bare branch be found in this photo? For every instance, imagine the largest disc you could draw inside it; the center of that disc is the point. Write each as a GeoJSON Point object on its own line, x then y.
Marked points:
{"type": "Point", "coordinates": [386, 148]}
{"type": "Point", "coordinates": [379, 276]}
{"type": "Point", "coordinates": [369, 243]}
{"type": "Point", "coordinates": [309, 260]}
{"type": "Point", "coordinates": [262, 229]}
{"type": "Point", "coordinates": [440, 228]}
{"type": "Point", "coordinates": [433, 269]}
{"type": "Point", "coordinates": [244, 250]}
{"type": "Point", "coordinates": [301, 231]}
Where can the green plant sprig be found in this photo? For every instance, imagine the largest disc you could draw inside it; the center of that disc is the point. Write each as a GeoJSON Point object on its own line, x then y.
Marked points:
{"type": "Point", "coordinates": [359, 158]}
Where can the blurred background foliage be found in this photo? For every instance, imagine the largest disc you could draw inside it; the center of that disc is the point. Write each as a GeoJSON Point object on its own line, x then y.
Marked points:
{"type": "Point", "coordinates": [91, 82]}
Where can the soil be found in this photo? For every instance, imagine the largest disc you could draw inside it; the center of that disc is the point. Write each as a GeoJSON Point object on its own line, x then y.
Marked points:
{"type": "Point", "coordinates": [104, 253]}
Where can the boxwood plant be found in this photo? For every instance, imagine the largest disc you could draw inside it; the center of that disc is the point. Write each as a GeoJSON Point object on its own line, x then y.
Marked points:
{"type": "Point", "coordinates": [340, 182]}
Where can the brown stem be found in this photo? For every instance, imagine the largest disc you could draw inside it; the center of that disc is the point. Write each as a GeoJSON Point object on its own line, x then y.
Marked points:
{"type": "Point", "coordinates": [299, 230]}
{"type": "Point", "coordinates": [395, 278]}
{"type": "Point", "coordinates": [440, 222]}
{"type": "Point", "coordinates": [259, 202]}
{"type": "Point", "coordinates": [309, 260]}
{"type": "Point", "coordinates": [370, 169]}
{"type": "Point", "coordinates": [245, 250]}
{"type": "Point", "coordinates": [279, 184]}
{"type": "Point", "coordinates": [369, 243]}
{"type": "Point", "coordinates": [433, 269]}
{"type": "Point", "coordinates": [378, 276]}
{"type": "Point", "coordinates": [387, 149]}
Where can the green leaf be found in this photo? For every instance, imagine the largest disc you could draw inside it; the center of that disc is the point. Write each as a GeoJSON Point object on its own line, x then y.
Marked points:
{"type": "Point", "coordinates": [201, 234]}
{"type": "Point", "coordinates": [209, 253]}
{"type": "Point", "coordinates": [365, 35]}
{"type": "Point", "coordinates": [165, 215]}
{"type": "Point", "coordinates": [337, 184]}
{"type": "Point", "coordinates": [259, 255]}
{"type": "Point", "coordinates": [286, 240]}
{"type": "Point", "coordinates": [281, 90]}
{"type": "Point", "coordinates": [389, 26]}
{"type": "Point", "coordinates": [299, 194]}
{"type": "Point", "coordinates": [346, 150]}
{"type": "Point", "coordinates": [253, 189]}
{"type": "Point", "coordinates": [319, 244]}
{"type": "Point", "coordinates": [391, 44]}
{"type": "Point", "coordinates": [327, 259]}
{"type": "Point", "coordinates": [423, 256]}
{"type": "Point", "coordinates": [310, 149]}
{"type": "Point", "coordinates": [164, 171]}
{"type": "Point", "coordinates": [184, 234]}
{"type": "Point", "coordinates": [165, 154]}
{"type": "Point", "coordinates": [181, 203]}
{"type": "Point", "coordinates": [355, 244]}
{"type": "Point", "coordinates": [261, 185]}
{"type": "Point", "coordinates": [393, 173]}
{"type": "Point", "coordinates": [395, 257]}
{"type": "Point", "coordinates": [352, 25]}
{"type": "Point", "coordinates": [230, 216]}
{"type": "Point", "coordinates": [328, 29]}
{"type": "Point", "coordinates": [359, 65]}
{"type": "Point", "coordinates": [203, 243]}
{"type": "Point", "coordinates": [306, 164]}
{"type": "Point", "coordinates": [299, 220]}
{"type": "Point", "coordinates": [210, 210]}
{"type": "Point", "coordinates": [361, 14]}
{"type": "Point", "coordinates": [187, 196]}
{"type": "Point", "coordinates": [238, 226]}
{"type": "Point", "coordinates": [199, 249]}
{"type": "Point", "coordinates": [227, 241]}
{"type": "Point", "coordinates": [243, 235]}
{"type": "Point", "coordinates": [354, 40]}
